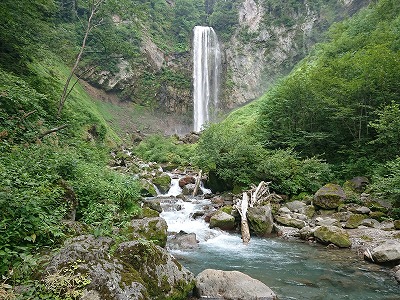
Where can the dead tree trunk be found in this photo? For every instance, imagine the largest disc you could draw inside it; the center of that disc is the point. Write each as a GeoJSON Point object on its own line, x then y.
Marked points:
{"type": "Point", "coordinates": [257, 196]}
{"type": "Point", "coordinates": [196, 187]}
{"type": "Point", "coordinates": [95, 5]}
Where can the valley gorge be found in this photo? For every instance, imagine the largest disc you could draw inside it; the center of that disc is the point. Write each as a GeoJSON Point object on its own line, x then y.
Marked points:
{"type": "Point", "coordinates": [261, 41]}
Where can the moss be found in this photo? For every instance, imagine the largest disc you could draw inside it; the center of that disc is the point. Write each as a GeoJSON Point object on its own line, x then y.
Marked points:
{"type": "Point", "coordinates": [162, 182]}
{"type": "Point", "coordinates": [397, 224]}
{"type": "Point", "coordinates": [354, 221]}
{"type": "Point", "coordinates": [378, 215]}
{"type": "Point", "coordinates": [227, 209]}
{"type": "Point", "coordinates": [149, 213]}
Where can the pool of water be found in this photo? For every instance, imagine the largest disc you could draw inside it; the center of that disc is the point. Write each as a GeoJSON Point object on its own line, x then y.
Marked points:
{"type": "Point", "coordinates": [292, 269]}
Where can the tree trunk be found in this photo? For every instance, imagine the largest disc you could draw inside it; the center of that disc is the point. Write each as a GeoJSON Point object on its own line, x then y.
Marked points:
{"type": "Point", "coordinates": [242, 206]}
{"type": "Point", "coordinates": [89, 27]}
{"type": "Point", "coordinates": [196, 187]}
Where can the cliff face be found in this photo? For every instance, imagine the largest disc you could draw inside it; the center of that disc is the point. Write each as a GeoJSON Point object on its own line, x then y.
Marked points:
{"type": "Point", "coordinates": [271, 38]}
{"type": "Point", "coordinates": [267, 38]}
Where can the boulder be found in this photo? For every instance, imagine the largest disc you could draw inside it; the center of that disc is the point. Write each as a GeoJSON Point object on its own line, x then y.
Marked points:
{"type": "Point", "coordinates": [287, 220]}
{"type": "Point", "coordinates": [189, 189]}
{"type": "Point", "coordinates": [396, 224]}
{"type": "Point", "coordinates": [327, 222]}
{"type": "Point", "coordinates": [370, 223]}
{"type": "Point", "coordinates": [389, 251]}
{"type": "Point", "coordinates": [186, 180]}
{"type": "Point", "coordinates": [330, 196]}
{"type": "Point", "coordinates": [397, 273]}
{"type": "Point", "coordinates": [354, 221]}
{"type": "Point", "coordinates": [232, 285]}
{"type": "Point", "coordinates": [332, 234]}
{"type": "Point", "coordinates": [183, 241]}
{"type": "Point", "coordinates": [222, 220]}
{"type": "Point", "coordinates": [359, 183]}
{"type": "Point", "coordinates": [342, 216]}
{"type": "Point", "coordinates": [296, 206]}
{"type": "Point", "coordinates": [150, 228]}
{"type": "Point", "coordinates": [153, 204]}
{"type": "Point", "coordinates": [162, 182]}
{"type": "Point", "coordinates": [306, 233]}
{"type": "Point", "coordinates": [147, 189]}
{"type": "Point", "coordinates": [260, 220]}
{"type": "Point", "coordinates": [88, 259]}
{"type": "Point", "coordinates": [163, 276]}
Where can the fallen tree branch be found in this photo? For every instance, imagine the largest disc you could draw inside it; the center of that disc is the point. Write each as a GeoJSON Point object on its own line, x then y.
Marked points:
{"type": "Point", "coordinates": [52, 130]}
{"type": "Point", "coordinates": [196, 187]}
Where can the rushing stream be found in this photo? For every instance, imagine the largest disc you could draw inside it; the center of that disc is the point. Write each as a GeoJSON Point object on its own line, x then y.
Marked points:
{"type": "Point", "coordinates": [293, 270]}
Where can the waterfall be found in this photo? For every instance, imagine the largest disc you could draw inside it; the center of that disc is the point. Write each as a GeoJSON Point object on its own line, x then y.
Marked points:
{"type": "Point", "coordinates": [206, 75]}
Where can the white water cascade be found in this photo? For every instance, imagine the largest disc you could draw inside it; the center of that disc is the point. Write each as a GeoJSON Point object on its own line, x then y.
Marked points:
{"type": "Point", "coordinates": [206, 75]}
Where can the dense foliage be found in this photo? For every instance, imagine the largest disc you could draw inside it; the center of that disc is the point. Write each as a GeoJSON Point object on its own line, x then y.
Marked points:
{"type": "Point", "coordinates": [340, 104]}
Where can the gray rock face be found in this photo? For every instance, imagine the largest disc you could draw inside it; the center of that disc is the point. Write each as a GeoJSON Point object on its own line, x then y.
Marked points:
{"type": "Point", "coordinates": [370, 223]}
{"type": "Point", "coordinates": [332, 235]}
{"type": "Point", "coordinates": [296, 206]}
{"type": "Point", "coordinates": [137, 270]}
{"type": "Point", "coordinates": [232, 285]}
{"type": "Point", "coordinates": [287, 220]}
{"type": "Point", "coordinates": [330, 196]}
{"type": "Point", "coordinates": [162, 274]}
{"type": "Point", "coordinates": [154, 228]}
{"type": "Point", "coordinates": [260, 220]}
{"type": "Point", "coordinates": [182, 241]}
{"type": "Point", "coordinates": [222, 220]}
{"type": "Point", "coordinates": [387, 252]}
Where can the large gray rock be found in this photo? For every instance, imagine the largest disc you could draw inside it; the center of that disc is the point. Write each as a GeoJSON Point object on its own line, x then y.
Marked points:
{"type": "Point", "coordinates": [163, 276]}
{"type": "Point", "coordinates": [332, 235]}
{"type": "Point", "coordinates": [387, 252]}
{"type": "Point", "coordinates": [183, 241]}
{"type": "Point", "coordinates": [330, 196]}
{"type": "Point", "coordinates": [108, 277]}
{"type": "Point", "coordinates": [320, 221]}
{"type": "Point", "coordinates": [288, 220]}
{"type": "Point", "coordinates": [150, 228]}
{"type": "Point", "coordinates": [222, 220]}
{"type": "Point", "coordinates": [260, 220]}
{"type": "Point", "coordinates": [232, 285]}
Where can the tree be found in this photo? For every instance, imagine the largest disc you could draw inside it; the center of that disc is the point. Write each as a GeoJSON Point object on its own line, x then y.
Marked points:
{"type": "Point", "coordinates": [94, 7]}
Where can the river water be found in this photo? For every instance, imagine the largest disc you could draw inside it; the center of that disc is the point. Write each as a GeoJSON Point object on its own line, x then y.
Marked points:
{"type": "Point", "coordinates": [293, 270]}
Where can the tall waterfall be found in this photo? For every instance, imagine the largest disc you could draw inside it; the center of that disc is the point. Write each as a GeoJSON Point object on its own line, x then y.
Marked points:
{"type": "Point", "coordinates": [206, 75]}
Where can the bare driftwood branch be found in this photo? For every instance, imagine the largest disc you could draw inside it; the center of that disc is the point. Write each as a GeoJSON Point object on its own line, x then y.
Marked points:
{"type": "Point", "coordinates": [52, 130]}
{"type": "Point", "coordinates": [258, 196]}
{"type": "Point", "coordinates": [196, 187]}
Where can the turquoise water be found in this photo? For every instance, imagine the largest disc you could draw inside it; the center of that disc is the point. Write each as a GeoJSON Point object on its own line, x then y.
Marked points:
{"type": "Point", "coordinates": [293, 270]}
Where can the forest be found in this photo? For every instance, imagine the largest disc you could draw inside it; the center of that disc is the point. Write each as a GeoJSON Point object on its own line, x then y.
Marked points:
{"type": "Point", "coordinates": [335, 116]}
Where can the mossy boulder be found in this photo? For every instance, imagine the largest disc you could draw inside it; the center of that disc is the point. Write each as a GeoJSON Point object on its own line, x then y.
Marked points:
{"type": "Point", "coordinates": [330, 196]}
{"type": "Point", "coordinates": [150, 228]}
{"type": "Point", "coordinates": [287, 220]}
{"type": "Point", "coordinates": [147, 189]}
{"type": "Point", "coordinates": [222, 220]}
{"type": "Point", "coordinates": [354, 221]}
{"type": "Point", "coordinates": [260, 220]}
{"type": "Point", "coordinates": [396, 224]}
{"type": "Point", "coordinates": [163, 276]}
{"type": "Point", "coordinates": [332, 235]}
{"type": "Point", "coordinates": [378, 215]}
{"type": "Point", "coordinates": [162, 182]}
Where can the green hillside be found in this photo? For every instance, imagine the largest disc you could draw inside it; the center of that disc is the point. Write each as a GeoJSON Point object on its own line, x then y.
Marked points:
{"type": "Point", "coordinates": [340, 106]}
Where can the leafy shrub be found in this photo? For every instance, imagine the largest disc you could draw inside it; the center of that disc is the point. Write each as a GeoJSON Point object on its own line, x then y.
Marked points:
{"type": "Point", "coordinates": [165, 149]}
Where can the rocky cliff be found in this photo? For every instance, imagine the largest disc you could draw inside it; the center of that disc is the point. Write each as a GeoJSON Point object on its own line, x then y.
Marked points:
{"type": "Point", "coordinates": [266, 38]}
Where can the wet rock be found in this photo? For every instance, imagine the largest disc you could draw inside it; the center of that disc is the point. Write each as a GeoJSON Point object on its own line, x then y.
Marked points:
{"type": "Point", "coordinates": [153, 228]}
{"type": "Point", "coordinates": [153, 204]}
{"type": "Point", "coordinates": [147, 189]}
{"type": "Point", "coordinates": [327, 222]}
{"type": "Point", "coordinates": [186, 180]}
{"type": "Point", "coordinates": [164, 277]}
{"type": "Point", "coordinates": [222, 220]}
{"type": "Point", "coordinates": [162, 182]}
{"type": "Point", "coordinates": [354, 221]}
{"type": "Point", "coordinates": [233, 285]}
{"type": "Point", "coordinates": [183, 241]}
{"type": "Point", "coordinates": [389, 251]}
{"type": "Point", "coordinates": [287, 220]}
{"type": "Point", "coordinates": [188, 189]}
{"type": "Point", "coordinates": [332, 234]}
{"type": "Point", "coordinates": [397, 273]}
{"type": "Point", "coordinates": [260, 220]}
{"type": "Point", "coordinates": [306, 233]}
{"type": "Point", "coordinates": [330, 196]}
